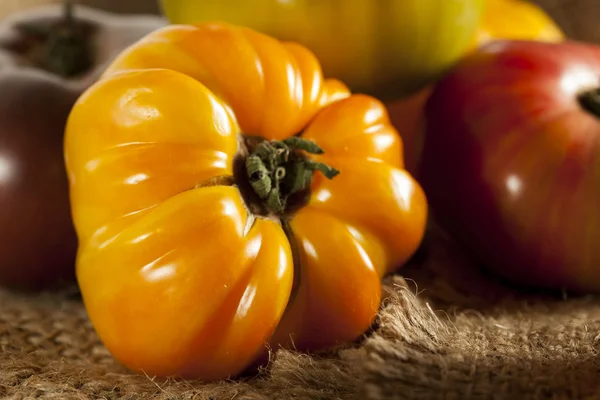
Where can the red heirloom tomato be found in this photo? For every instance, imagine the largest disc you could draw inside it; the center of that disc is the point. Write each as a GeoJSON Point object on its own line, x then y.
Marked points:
{"type": "Point", "coordinates": [227, 196]}
{"type": "Point", "coordinates": [510, 162]}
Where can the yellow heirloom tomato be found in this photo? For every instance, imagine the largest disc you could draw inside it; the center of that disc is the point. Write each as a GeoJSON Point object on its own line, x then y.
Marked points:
{"type": "Point", "coordinates": [386, 48]}
{"type": "Point", "coordinates": [516, 20]}
{"type": "Point", "coordinates": [227, 197]}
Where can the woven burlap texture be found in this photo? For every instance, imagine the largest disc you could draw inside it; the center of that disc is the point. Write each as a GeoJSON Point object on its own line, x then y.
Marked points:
{"type": "Point", "coordinates": [445, 331]}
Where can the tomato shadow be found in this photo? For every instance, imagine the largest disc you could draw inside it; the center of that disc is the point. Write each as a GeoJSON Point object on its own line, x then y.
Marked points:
{"type": "Point", "coordinates": [446, 274]}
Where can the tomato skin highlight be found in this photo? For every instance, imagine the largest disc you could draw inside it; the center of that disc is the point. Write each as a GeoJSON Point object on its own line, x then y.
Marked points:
{"type": "Point", "coordinates": [179, 276]}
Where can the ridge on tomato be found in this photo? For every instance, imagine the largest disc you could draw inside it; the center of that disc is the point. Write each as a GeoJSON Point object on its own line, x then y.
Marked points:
{"type": "Point", "coordinates": [227, 197]}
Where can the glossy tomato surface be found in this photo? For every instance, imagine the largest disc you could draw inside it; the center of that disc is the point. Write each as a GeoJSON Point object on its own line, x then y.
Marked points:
{"type": "Point", "coordinates": [179, 274]}
{"type": "Point", "coordinates": [511, 161]}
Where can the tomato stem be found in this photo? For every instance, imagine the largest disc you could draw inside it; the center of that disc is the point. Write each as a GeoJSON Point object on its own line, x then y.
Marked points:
{"type": "Point", "coordinates": [590, 101]}
{"type": "Point", "coordinates": [277, 169]}
{"type": "Point", "coordinates": [63, 48]}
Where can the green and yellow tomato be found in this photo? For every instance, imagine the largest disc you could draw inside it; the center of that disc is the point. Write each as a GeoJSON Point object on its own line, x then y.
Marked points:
{"type": "Point", "coordinates": [385, 48]}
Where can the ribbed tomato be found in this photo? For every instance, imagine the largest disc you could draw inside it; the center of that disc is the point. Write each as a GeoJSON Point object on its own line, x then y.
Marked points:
{"type": "Point", "coordinates": [227, 197]}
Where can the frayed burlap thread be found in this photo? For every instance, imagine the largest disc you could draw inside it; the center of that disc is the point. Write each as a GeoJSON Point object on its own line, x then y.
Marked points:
{"type": "Point", "coordinates": [545, 350]}
{"type": "Point", "coordinates": [452, 332]}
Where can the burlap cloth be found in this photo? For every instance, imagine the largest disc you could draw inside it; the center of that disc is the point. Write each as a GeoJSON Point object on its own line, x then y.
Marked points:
{"type": "Point", "coordinates": [445, 331]}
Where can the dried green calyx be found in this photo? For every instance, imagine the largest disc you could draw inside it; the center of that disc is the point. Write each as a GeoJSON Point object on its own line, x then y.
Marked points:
{"type": "Point", "coordinates": [278, 169]}
{"type": "Point", "coordinates": [61, 47]}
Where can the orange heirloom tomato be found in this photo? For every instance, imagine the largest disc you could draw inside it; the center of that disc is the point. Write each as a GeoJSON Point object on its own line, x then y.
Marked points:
{"type": "Point", "coordinates": [227, 197]}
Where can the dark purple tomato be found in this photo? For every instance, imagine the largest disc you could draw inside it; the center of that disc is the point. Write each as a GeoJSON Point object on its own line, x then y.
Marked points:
{"type": "Point", "coordinates": [37, 239]}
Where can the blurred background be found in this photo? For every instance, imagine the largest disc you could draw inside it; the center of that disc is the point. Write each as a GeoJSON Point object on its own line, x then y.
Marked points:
{"type": "Point", "coordinates": [577, 18]}
{"type": "Point", "coordinates": [121, 6]}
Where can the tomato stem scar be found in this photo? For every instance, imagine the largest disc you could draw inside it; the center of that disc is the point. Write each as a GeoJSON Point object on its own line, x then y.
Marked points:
{"type": "Point", "coordinates": [63, 48]}
{"type": "Point", "coordinates": [590, 101]}
{"type": "Point", "coordinates": [277, 169]}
